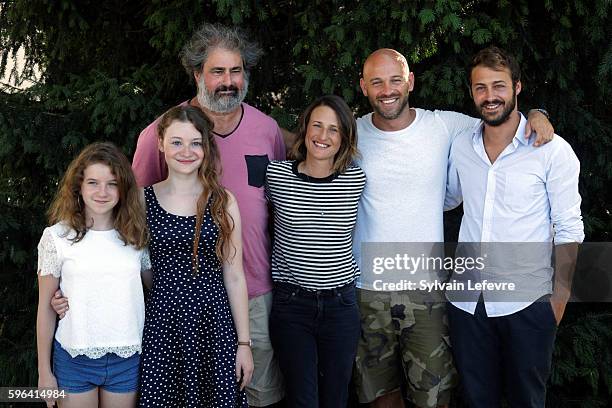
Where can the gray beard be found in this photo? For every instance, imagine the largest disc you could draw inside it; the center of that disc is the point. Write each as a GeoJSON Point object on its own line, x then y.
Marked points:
{"type": "Point", "coordinates": [217, 104]}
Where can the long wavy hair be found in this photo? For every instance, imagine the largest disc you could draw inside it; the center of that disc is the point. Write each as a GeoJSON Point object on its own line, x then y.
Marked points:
{"type": "Point", "coordinates": [208, 174]}
{"type": "Point", "coordinates": [128, 215]}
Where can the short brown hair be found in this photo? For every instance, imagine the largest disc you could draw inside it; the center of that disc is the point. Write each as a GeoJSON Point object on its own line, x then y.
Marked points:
{"type": "Point", "coordinates": [496, 59]}
{"type": "Point", "coordinates": [348, 132]}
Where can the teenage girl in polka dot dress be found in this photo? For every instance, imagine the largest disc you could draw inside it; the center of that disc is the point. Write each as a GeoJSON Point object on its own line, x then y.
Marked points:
{"type": "Point", "coordinates": [197, 313]}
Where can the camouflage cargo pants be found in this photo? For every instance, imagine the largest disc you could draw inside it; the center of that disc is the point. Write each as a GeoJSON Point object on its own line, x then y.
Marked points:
{"type": "Point", "coordinates": [404, 333]}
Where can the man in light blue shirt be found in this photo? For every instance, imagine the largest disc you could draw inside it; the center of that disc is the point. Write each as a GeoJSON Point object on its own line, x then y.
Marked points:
{"type": "Point", "coordinates": [518, 199]}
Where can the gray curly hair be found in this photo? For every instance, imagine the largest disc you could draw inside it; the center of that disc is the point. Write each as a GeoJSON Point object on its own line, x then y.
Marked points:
{"type": "Point", "coordinates": [210, 36]}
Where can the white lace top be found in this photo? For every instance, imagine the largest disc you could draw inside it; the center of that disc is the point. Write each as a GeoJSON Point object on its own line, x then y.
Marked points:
{"type": "Point", "coordinates": [100, 275]}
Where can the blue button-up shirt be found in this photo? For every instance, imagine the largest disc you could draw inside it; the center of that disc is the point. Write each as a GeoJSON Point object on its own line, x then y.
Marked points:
{"type": "Point", "coordinates": [528, 195]}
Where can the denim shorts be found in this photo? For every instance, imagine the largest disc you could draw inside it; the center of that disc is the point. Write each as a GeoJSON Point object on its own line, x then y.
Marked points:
{"type": "Point", "coordinates": [81, 373]}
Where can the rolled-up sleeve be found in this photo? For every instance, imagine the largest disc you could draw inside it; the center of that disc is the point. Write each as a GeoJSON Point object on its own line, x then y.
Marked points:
{"type": "Point", "coordinates": [563, 171]}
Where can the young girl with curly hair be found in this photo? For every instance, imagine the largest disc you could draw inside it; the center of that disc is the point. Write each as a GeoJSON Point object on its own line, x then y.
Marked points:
{"type": "Point", "coordinates": [94, 250]}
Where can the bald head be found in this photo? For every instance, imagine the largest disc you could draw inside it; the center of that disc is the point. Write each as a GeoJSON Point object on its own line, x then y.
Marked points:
{"type": "Point", "coordinates": [385, 57]}
{"type": "Point", "coordinates": [387, 82]}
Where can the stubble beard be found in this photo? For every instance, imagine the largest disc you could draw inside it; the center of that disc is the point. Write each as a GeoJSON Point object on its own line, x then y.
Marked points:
{"type": "Point", "coordinates": [390, 115]}
{"type": "Point", "coordinates": [503, 116]}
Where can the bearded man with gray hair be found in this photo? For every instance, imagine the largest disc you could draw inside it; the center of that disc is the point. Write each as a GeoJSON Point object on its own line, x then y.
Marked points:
{"type": "Point", "coordinates": [219, 58]}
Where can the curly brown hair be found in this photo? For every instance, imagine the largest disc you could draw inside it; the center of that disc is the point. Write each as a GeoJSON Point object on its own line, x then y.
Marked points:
{"type": "Point", "coordinates": [128, 215]}
{"type": "Point", "coordinates": [209, 174]}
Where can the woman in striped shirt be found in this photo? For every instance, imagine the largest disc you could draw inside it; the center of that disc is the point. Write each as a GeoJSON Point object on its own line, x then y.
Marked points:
{"type": "Point", "coordinates": [314, 323]}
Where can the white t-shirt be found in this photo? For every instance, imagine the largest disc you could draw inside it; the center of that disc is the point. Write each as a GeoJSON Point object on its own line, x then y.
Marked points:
{"type": "Point", "coordinates": [100, 276]}
{"type": "Point", "coordinates": [403, 200]}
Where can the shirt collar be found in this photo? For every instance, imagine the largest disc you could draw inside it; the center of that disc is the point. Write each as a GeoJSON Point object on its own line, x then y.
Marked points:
{"type": "Point", "coordinates": [519, 136]}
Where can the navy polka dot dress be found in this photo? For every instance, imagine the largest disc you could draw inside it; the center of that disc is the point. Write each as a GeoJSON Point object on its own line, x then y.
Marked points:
{"type": "Point", "coordinates": [189, 340]}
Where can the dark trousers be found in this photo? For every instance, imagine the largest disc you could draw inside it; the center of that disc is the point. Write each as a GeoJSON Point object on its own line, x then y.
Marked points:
{"type": "Point", "coordinates": [314, 336]}
{"type": "Point", "coordinates": [506, 355]}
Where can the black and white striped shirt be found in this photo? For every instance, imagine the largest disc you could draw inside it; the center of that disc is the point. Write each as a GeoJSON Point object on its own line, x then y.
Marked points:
{"type": "Point", "coordinates": [313, 222]}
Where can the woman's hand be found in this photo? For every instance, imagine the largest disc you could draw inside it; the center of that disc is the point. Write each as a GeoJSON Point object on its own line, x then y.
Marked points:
{"type": "Point", "coordinates": [47, 382]}
{"type": "Point", "coordinates": [244, 365]}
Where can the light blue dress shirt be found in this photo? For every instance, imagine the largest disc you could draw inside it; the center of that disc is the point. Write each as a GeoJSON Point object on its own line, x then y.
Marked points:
{"type": "Point", "coordinates": [528, 195]}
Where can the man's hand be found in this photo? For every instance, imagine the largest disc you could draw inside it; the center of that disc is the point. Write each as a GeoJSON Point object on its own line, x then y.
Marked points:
{"type": "Point", "coordinates": [558, 304]}
{"type": "Point", "coordinates": [59, 304]}
{"type": "Point", "coordinates": [538, 122]}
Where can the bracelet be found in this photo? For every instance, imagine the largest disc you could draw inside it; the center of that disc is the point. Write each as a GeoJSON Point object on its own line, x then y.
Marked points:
{"type": "Point", "coordinates": [543, 112]}
{"type": "Point", "coordinates": [246, 343]}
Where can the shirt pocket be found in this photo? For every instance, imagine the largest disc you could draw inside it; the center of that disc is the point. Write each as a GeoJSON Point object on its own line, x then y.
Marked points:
{"type": "Point", "coordinates": [256, 169]}
{"type": "Point", "coordinates": [520, 190]}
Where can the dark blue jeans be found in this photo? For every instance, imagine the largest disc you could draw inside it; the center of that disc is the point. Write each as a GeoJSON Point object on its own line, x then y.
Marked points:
{"type": "Point", "coordinates": [506, 355]}
{"type": "Point", "coordinates": [315, 335]}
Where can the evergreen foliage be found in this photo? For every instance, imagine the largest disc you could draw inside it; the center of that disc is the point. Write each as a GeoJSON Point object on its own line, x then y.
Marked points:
{"type": "Point", "coordinates": [110, 67]}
